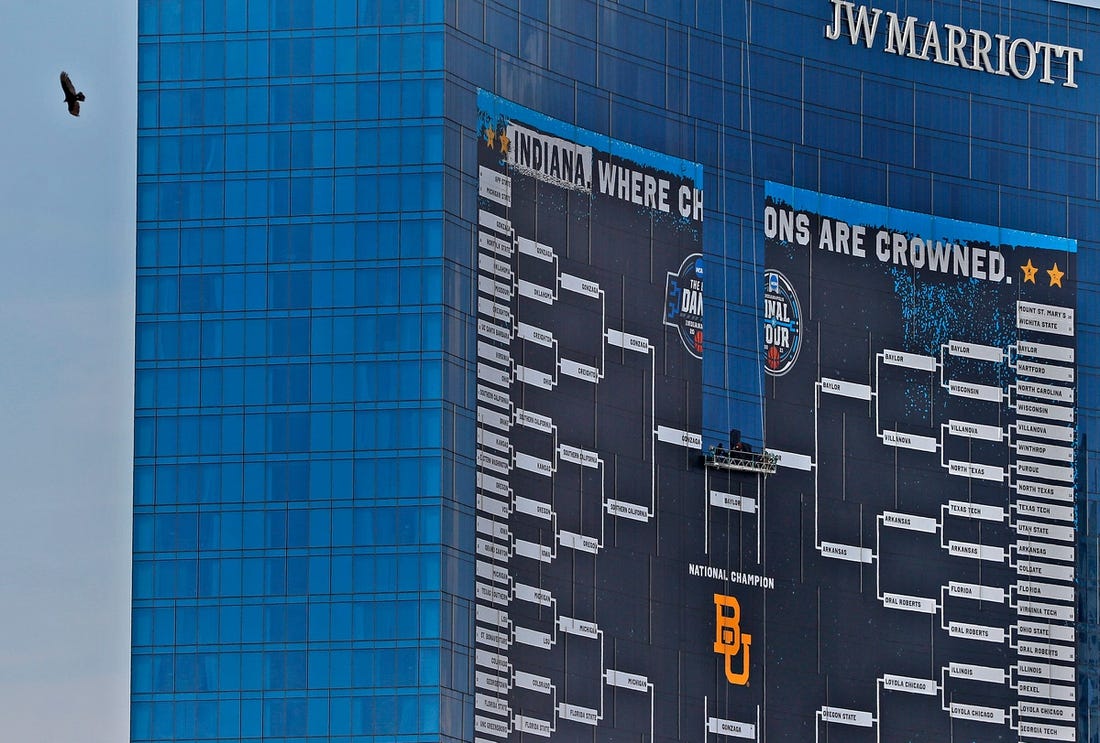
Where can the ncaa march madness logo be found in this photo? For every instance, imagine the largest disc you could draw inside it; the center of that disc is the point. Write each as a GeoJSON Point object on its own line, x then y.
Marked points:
{"type": "Point", "coordinates": [684, 303]}
{"type": "Point", "coordinates": [782, 324]}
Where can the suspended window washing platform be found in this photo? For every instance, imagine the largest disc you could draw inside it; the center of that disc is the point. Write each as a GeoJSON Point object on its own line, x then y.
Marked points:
{"type": "Point", "coordinates": [763, 463]}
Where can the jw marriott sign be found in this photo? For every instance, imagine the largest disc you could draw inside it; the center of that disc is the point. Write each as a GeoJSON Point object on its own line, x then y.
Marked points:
{"type": "Point", "coordinates": [947, 44]}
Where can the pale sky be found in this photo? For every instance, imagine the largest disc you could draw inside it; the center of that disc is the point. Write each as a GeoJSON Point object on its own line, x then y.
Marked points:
{"type": "Point", "coordinates": [66, 378]}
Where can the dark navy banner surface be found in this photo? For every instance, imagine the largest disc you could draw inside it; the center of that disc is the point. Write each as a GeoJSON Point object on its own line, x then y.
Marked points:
{"type": "Point", "coordinates": [920, 527]}
{"type": "Point", "coordinates": [607, 588]}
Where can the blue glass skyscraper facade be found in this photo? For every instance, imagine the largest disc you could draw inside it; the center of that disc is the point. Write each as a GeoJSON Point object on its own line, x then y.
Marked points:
{"type": "Point", "coordinates": [309, 224]}
{"type": "Point", "coordinates": [297, 526]}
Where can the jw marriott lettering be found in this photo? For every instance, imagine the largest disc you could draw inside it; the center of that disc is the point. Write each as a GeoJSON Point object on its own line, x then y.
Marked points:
{"type": "Point", "coordinates": [947, 44]}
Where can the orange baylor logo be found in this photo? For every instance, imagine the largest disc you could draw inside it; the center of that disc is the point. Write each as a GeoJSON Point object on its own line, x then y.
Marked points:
{"type": "Point", "coordinates": [728, 637]}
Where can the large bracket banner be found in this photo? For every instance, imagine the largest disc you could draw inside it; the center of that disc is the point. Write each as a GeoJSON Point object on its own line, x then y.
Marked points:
{"type": "Point", "coordinates": [921, 403]}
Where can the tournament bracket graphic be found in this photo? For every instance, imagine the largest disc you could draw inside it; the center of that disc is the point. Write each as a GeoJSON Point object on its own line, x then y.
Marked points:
{"type": "Point", "coordinates": [920, 527]}
{"type": "Point", "coordinates": [599, 614]}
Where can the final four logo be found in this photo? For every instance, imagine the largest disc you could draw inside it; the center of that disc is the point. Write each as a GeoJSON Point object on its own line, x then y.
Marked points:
{"type": "Point", "coordinates": [782, 324]}
{"type": "Point", "coordinates": [684, 303]}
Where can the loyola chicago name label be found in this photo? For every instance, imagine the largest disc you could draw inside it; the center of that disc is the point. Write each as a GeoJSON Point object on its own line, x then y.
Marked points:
{"type": "Point", "coordinates": [947, 44]}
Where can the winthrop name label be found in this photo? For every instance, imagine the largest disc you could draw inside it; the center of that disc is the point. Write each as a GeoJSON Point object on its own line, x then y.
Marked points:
{"type": "Point", "coordinates": [947, 44]}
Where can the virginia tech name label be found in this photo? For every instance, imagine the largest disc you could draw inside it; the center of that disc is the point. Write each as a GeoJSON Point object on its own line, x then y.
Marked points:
{"type": "Point", "coordinates": [947, 44]}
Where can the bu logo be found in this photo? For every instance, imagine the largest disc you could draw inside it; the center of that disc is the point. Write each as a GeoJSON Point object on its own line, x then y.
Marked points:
{"type": "Point", "coordinates": [728, 637]}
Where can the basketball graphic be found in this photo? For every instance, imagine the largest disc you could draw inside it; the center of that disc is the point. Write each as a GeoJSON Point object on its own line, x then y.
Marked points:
{"type": "Point", "coordinates": [782, 324]}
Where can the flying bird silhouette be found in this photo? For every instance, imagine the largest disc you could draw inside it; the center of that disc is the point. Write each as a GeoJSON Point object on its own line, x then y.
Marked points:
{"type": "Point", "coordinates": [72, 98]}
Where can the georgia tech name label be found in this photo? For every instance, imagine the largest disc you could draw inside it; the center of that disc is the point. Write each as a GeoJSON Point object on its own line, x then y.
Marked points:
{"type": "Point", "coordinates": [948, 44]}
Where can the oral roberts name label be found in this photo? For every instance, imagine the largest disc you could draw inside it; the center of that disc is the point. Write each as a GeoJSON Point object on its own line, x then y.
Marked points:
{"type": "Point", "coordinates": [976, 632]}
{"type": "Point", "coordinates": [909, 603]}
{"type": "Point", "coordinates": [1048, 651]}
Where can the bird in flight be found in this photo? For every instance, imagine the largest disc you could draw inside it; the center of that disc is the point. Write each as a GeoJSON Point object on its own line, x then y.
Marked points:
{"type": "Point", "coordinates": [72, 98]}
